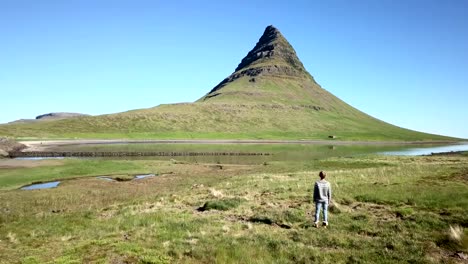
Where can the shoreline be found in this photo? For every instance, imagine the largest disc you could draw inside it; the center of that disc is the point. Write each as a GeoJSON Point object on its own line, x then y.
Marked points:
{"type": "Point", "coordinates": [41, 145]}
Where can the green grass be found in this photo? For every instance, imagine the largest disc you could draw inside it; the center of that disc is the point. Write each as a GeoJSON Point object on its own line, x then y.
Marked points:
{"type": "Point", "coordinates": [222, 204]}
{"type": "Point", "coordinates": [388, 210]}
{"type": "Point", "coordinates": [220, 121]}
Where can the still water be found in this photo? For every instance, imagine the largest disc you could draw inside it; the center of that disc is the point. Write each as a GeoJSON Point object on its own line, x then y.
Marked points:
{"type": "Point", "coordinates": [38, 186]}
{"type": "Point", "coordinates": [143, 176]}
{"type": "Point", "coordinates": [278, 152]}
{"type": "Point", "coordinates": [38, 158]}
{"type": "Point", "coordinates": [416, 151]}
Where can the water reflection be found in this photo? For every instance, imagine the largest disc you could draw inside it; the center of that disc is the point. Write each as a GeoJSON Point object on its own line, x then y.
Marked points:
{"type": "Point", "coordinates": [279, 152]}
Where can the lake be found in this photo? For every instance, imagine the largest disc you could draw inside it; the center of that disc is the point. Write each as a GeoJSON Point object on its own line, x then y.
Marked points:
{"type": "Point", "coordinates": [279, 152]}
{"type": "Point", "coordinates": [428, 150]}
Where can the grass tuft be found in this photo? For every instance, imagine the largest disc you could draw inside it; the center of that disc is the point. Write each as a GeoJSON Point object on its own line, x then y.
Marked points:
{"type": "Point", "coordinates": [221, 205]}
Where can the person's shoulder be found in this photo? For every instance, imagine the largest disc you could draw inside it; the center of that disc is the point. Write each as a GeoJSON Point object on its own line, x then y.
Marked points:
{"type": "Point", "coordinates": [323, 182]}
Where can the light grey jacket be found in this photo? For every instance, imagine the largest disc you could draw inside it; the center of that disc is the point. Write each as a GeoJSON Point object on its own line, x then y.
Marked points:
{"type": "Point", "coordinates": [322, 191]}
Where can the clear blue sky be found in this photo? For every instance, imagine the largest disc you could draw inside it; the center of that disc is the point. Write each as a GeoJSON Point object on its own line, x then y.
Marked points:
{"type": "Point", "coordinates": [404, 62]}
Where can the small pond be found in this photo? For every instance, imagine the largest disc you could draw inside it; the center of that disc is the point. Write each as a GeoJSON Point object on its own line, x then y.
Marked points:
{"type": "Point", "coordinates": [137, 177]}
{"type": "Point", "coordinates": [38, 186]}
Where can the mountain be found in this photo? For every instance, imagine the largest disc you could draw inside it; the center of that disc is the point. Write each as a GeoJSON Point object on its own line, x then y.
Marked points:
{"type": "Point", "coordinates": [271, 63]}
{"type": "Point", "coordinates": [270, 95]}
{"type": "Point", "coordinates": [271, 73]}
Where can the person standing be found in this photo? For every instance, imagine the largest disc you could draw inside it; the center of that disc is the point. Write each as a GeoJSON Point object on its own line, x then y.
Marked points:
{"type": "Point", "coordinates": [322, 198]}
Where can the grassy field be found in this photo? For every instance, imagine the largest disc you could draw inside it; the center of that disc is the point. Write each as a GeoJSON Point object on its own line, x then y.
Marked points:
{"type": "Point", "coordinates": [387, 210]}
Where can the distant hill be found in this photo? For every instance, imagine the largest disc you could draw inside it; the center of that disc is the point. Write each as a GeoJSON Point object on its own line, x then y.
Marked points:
{"type": "Point", "coordinates": [270, 95]}
{"type": "Point", "coordinates": [60, 115]}
{"type": "Point", "coordinates": [49, 116]}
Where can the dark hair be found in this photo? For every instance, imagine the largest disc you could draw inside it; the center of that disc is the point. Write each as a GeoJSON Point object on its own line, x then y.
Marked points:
{"type": "Point", "coordinates": [322, 175]}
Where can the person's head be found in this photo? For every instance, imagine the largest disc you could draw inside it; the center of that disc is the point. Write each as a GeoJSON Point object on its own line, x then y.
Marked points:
{"type": "Point", "coordinates": [322, 175]}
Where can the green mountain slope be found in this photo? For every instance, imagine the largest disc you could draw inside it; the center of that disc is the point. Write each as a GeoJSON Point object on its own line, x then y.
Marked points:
{"type": "Point", "coordinates": [270, 95]}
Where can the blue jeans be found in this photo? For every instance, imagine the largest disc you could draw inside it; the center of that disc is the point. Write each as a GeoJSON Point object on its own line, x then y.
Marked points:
{"type": "Point", "coordinates": [318, 207]}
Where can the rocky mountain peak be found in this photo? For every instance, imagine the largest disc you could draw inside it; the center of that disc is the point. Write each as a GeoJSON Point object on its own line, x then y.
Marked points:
{"type": "Point", "coordinates": [272, 56]}
{"type": "Point", "coordinates": [272, 48]}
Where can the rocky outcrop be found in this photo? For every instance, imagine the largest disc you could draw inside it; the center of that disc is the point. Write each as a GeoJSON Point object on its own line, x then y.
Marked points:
{"type": "Point", "coordinates": [59, 115]}
{"type": "Point", "coordinates": [9, 145]}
